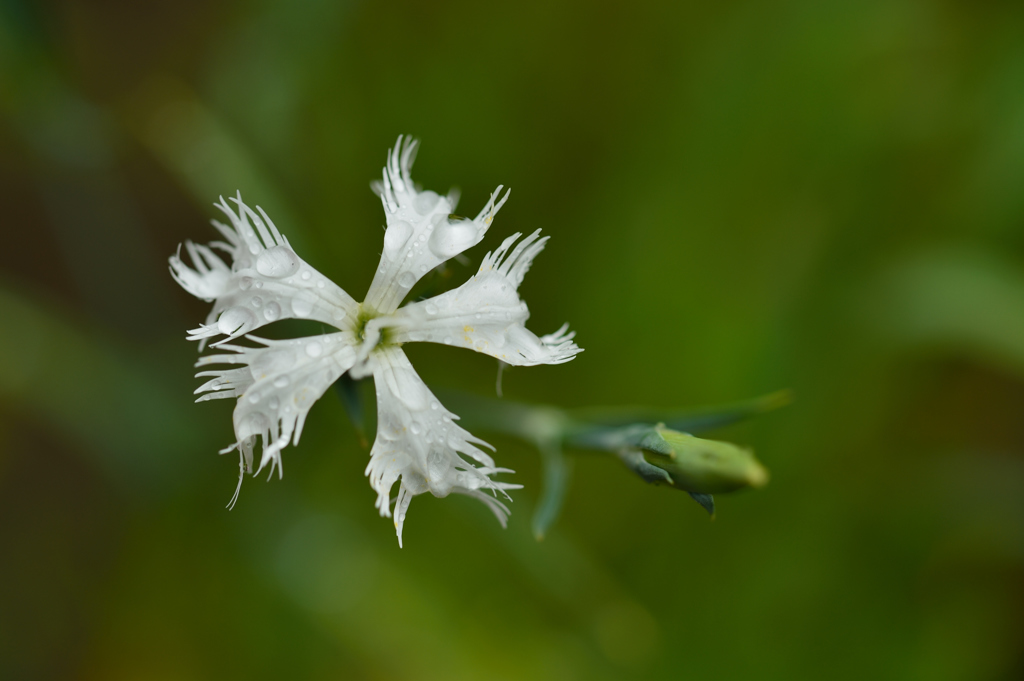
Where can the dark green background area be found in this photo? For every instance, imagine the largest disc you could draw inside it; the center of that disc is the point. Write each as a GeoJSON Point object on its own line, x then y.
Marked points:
{"type": "Point", "coordinates": [741, 197]}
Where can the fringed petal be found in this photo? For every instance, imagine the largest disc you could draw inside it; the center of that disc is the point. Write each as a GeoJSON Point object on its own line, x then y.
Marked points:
{"type": "Point", "coordinates": [486, 314]}
{"type": "Point", "coordinates": [267, 281]}
{"type": "Point", "coordinates": [419, 443]}
{"type": "Point", "coordinates": [421, 231]}
{"type": "Point", "coordinates": [276, 385]}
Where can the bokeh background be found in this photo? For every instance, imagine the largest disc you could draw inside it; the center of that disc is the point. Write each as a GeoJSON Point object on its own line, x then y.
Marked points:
{"type": "Point", "coordinates": [742, 196]}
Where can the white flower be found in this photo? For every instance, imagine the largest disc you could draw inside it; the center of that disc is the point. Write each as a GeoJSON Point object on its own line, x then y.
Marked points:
{"type": "Point", "coordinates": [277, 382]}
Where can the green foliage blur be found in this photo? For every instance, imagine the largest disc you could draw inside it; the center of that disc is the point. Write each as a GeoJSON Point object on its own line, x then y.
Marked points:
{"type": "Point", "coordinates": [743, 196]}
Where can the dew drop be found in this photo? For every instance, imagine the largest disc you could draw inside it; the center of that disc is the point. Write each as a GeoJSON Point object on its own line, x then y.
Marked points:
{"type": "Point", "coordinates": [277, 262]}
{"type": "Point", "coordinates": [236, 320]}
{"type": "Point", "coordinates": [256, 301]}
{"type": "Point", "coordinates": [425, 202]}
{"type": "Point", "coordinates": [254, 398]}
{"type": "Point", "coordinates": [281, 382]}
{"type": "Point", "coordinates": [320, 284]}
{"type": "Point", "coordinates": [452, 238]}
{"type": "Point", "coordinates": [252, 425]}
{"type": "Point", "coordinates": [273, 361]}
{"type": "Point", "coordinates": [272, 311]}
{"type": "Point", "coordinates": [274, 403]}
{"type": "Point", "coordinates": [258, 284]}
{"type": "Point", "coordinates": [245, 283]}
{"type": "Point", "coordinates": [431, 308]}
{"type": "Point", "coordinates": [314, 349]}
{"type": "Point", "coordinates": [406, 279]}
{"type": "Point", "coordinates": [434, 405]}
{"type": "Point", "coordinates": [447, 340]}
{"type": "Point", "coordinates": [302, 306]}
{"type": "Point", "coordinates": [307, 275]}
{"type": "Point", "coordinates": [416, 428]}
{"type": "Point", "coordinates": [396, 236]}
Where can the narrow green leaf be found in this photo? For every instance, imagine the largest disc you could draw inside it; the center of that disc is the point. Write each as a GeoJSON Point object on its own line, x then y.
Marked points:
{"type": "Point", "coordinates": [556, 470]}
{"type": "Point", "coordinates": [686, 420]}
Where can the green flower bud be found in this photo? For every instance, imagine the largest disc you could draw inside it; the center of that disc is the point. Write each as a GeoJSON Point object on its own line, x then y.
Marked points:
{"type": "Point", "coordinates": [702, 466]}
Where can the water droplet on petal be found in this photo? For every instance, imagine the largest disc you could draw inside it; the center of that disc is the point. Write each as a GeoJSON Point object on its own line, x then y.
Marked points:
{"type": "Point", "coordinates": [431, 308]}
{"type": "Point", "coordinates": [452, 238]}
{"type": "Point", "coordinates": [425, 202]}
{"type": "Point", "coordinates": [306, 275]}
{"type": "Point", "coordinates": [245, 283]}
{"type": "Point", "coordinates": [406, 279]}
{"type": "Point", "coordinates": [396, 236]}
{"type": "Point", "coordinates": [272, 311]}
{"type": "Point", "coordinates": [256, 301]}
{"type": "Point", "coordinates": [302, 306]}
{"type": "Point", "coordinates": [281, 382]}
{"type": "Point", "coordinates": [434, 405]}
{"type": "Point", "coordinates": [447, 340]}
{"type": "Point", "coordinates": [253, 424]}
{"type": "Point", "coordinates": [416, 428]}
{"type": "Point", "coordinates": [274, 403]}
{"type": "Point", "coordinates": [254, 398]}
{"type": "Point", "coordinates": [314, 349]}
{"type": "Point", "coordinates": [438, 469]}
{"type": "Point", "coordinates": [277, 262]}
{"type": "Point", "coordinates": [236, 320]}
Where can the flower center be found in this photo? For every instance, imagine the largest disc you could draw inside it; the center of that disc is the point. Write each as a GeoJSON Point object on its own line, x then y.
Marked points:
{"type": "Point", "coordinates": [379, 334]}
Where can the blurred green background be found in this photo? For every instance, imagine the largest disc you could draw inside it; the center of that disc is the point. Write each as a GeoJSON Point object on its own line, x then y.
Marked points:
{"type": "Point", "coordinates": [742, 196]}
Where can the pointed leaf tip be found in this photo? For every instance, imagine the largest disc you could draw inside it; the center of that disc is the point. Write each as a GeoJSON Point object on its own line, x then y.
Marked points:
{"type": "Point", "coordinates": [705, 500]}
